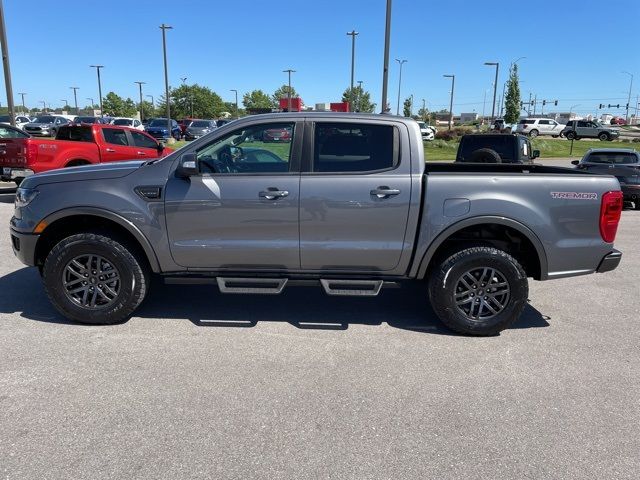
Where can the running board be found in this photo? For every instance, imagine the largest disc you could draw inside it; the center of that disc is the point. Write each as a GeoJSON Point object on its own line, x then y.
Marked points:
{"type": "Point", "coordinates": [265, 286]}
{"type": "Point", "coordinates": [352, 288]}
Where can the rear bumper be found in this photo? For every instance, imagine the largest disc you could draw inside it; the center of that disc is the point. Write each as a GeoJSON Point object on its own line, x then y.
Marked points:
{"type": "Point", "coordinates": [610, 262]}
{"type": "Point", "coordinates": [24, 246]}
{"type": "Point", "coordinates": [10, 173]}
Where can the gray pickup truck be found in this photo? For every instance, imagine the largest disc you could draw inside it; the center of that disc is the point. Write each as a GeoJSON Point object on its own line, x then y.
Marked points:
{"type": "Point", "coordinates": [344, 201]}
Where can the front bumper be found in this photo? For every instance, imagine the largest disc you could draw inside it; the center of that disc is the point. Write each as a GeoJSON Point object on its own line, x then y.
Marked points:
{"type": "Point", "coordinates": [10, 173]}
{"type": "Point", "coordinates": [630, 192]}
{"type": "Point", "coordinates": [24, 246]}
{"type": "Point", "coordinates": [610, 262]}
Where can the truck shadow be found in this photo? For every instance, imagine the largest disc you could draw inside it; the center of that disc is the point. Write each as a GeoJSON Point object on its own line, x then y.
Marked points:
{"type": "Point", "coordinates": [405, 308]}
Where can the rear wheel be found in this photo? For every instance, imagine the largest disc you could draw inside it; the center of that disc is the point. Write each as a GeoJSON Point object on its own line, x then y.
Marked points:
{"type": "Point", "coordinates": [571, 136]}
{"type": "Point", "coordinates": [94, 279]}
{"type": "Point", "coordinates": [479, 290]}
{"type": "Point", "coordinates": [534, 133]}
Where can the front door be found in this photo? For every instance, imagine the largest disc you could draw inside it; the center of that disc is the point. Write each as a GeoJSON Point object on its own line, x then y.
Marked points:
{"type": "Point", "coordinates": [241, 212]}
{"type": "Point", "coordinates": [117, 146]}
{"type": "Point", "coordinates": [354, 197]}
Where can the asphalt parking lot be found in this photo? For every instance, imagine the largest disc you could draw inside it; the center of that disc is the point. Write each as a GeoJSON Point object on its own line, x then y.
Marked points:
{"type": "Point", "coordinates": [200, 385]}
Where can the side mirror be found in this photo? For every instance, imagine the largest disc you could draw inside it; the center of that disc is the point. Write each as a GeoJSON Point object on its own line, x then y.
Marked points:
{"type": "Point", "coordinates": [160, 148]}
{"type": "Point", "coordinates": [575, 162]}
{"type": "Point", "coordinates": [188, 166]}
{"type": "Point", "coordinates": [535, 154]}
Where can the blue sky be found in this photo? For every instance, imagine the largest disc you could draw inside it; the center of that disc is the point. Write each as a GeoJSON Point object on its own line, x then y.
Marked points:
{"type": "Point", "coordinates": [575, 51]}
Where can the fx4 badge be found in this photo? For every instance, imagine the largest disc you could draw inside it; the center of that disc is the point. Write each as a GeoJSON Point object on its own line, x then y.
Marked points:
{"type": "Point", "coordinates": [575, 195]}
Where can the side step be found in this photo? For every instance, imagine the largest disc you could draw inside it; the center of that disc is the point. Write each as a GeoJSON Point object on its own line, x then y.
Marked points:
{"type": "Point", "coordinates": [352, 288]}
{"type": "Point", "coordinates": [265, 286]}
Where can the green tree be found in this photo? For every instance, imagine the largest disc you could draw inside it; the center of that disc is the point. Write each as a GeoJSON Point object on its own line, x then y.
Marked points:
{"type": "Point", "coordinates": [115, 105]}
{"type": "Point", "coordinates": [282, 92]}
{"type": "Point", "coordinates": [512, 99]}
{"type": "Point", "coordinates": [148, 110]}
{"type": "Point", "coordinates": [256, 99]}
{"type": "Point", "coordinates": [359, 99]}
{"type": "Point", "coordinates": [424, 114]}
{"type": "Point", "coordinates": [406, 107]}
{"type": "Point", "coordinates": [192, 101]}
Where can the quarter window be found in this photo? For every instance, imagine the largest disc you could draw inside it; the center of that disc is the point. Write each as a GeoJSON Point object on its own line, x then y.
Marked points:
{"type": "Point", "coordinates": [347, 147]}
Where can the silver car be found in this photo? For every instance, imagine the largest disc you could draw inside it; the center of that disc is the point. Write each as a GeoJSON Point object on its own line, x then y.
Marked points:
{"type": "Point", "coordinates": [45, 125]}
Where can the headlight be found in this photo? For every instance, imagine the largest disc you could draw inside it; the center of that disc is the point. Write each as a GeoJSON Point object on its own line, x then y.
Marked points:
{"type": "Point", "coordinates": [24, 196]}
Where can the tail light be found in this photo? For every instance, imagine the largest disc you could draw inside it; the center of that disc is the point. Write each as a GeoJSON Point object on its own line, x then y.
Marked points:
{"type": "Point", "coordinates": [610, 211]}
{"type": "Point", "coordinates": [524, 127]}
{"type": "Point", "coordinates": [32, 152]}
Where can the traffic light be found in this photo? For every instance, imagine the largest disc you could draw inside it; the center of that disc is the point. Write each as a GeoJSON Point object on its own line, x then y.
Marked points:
{"type": "Point", "coordinates": [556, 103]}
{"type": "Point", "coordinates": [601, 106]}
{"type": "Point", "coordinates": [544, 102]}
{"type": "Point", "coordinates": [627, 106]}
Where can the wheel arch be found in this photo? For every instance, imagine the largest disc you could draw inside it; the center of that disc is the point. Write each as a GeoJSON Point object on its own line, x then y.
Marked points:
{"type": "Point", "coordinates": [75, 220]}
{"type": "Point", "coordinates": [529, 243]}
{"type": "Point", "coordinates": [76, 162]}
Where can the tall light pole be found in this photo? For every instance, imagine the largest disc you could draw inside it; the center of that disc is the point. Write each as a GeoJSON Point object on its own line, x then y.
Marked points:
{"type": "Point", "coordinates": [44, 106]}
{"type": "Point", "coordinates": [411, 107]}
{"type": "Point", "coordinates": [385, 68]}
{"type": "Point", "coordinates": [98, 67]}
{"type": "Point", "coordinates": [140, 89]}
{"type": "Point", "coordinates": [629, 97]}
{"type": "Point", "coordinates": [7, 68]}
{"type": "Point", "coordinates": [360, 95]}
{"type": "Point", "coordinates": [22, 94]}
{"type": "Point", "coordinates": [153, 102]}
{"type": "Point", "coordinates": [92, 102]}
{"type": "Point", "coordinates": [453, 85]}
{"type": "Point", "coordinates": [495, 87]}
{"type": "Point", "coordinates": [66, 104]}
{"type": "Point", "coordinates": [236, 92]}
{"type": "Point", "coordinates": [353, 34]}
{"type": "Point", "coordinates": [401, 62]}
{"type": "Point", "coordinates": [424, 110]}
{"type": "Point", "coordinates": [289, 71]}
{"type": "Point", "coordinates": [75, 98]}
{"type": "Point", "coordinates": [164, 28]}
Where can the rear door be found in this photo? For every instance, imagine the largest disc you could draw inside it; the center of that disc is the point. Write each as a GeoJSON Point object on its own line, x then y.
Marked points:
{"type": "Point", "coordinates": [117, 145]}
{"type": "Point", "coordinates": [354, 197]}
{"type": "Point", "coordinates": [146, 147]}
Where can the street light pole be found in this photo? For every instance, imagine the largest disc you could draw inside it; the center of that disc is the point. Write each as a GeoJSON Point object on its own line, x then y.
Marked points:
{"type": "Point", "coordinates": [453, 85]}
{"type": "Point", "coordinates": [153, 101]}
{"type": "Point", "coordinates": [164, 28]}
{"type": "Point", "coordinates": [495, 87]}
{"type": "Point", "coordinates": [629, 97]}
{"type": "Point", "coordinates": [360, 95]}
{"type": "Point", "coordinates": [44, 106]}
{"type": "Point", "coordinates": [7, 68]}
{"type": "Point", "coordinates": [424, 110]}
{"type": "Point", "coordinates": [401, 62]}
{"type": "Point", "coordinates": [66, 104]}
{"type": "Point", "coordinates": [236, 92]}
{"type": "Point", "coordinates": [92, 102]}
{"type": "Point", "coordinates": [24, 109]}
{"type": "Point", "coordinates": [75, 98]}
{"type": "Point", "coordinates": [385, 68]}
{"type": "Point", "coordinates": [289, 71]}
{"type": "Point", "coordinates": [140, 89]}
{"type": "Point", "coordinates": [98, 67]}
{"type": "Point", "coordinates": [353, 34]}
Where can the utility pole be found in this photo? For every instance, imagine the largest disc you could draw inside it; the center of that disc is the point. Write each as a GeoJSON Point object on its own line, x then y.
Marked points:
{"type": "Point", "coordinates": [535, 104]}
{"type": "Point", "coordinates": [495, 87]}
{"type": "Point", "coordinates": [385, 68]}
{"type": "Point", "coordinates": [98, 67]}
{"type": "Point", "coordinates": [453, 84]}
{"type": "Point", "coordinates": [236, 92]}
{"type": "Point", "coordinates": [628, 98]}
{"type": "Point", "coordinates": [424, 110]}
{"type": "Point", "coordinates": [353, 34]}
{"type": "Point", "coordinates": [7, 67]}
{"type": "Point", "coordinates": [401, 62]}
{"type": "Point", "coordinates": [75, 98]}
{"type": "Point", "coordinates": [360, 95]}
{"type": "Point", "coordinates": [140, 89]}
{"type": "Point", "coordinates": [289, 71]}
{"type": "Point", "coordinates": [44, 106]}
{"type": "Point", "coordinates": [164, 28]}
{"type": "Point", "coordinates": [24, 109]}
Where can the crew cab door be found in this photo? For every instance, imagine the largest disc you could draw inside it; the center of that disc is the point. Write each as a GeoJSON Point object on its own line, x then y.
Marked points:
{"type": "Point", "coordinates": [116, 145]}
{"type": "Point", "coordinates": [355, 193]}
{"type": "Point", "coordinates": [241, 210]}
{"type": "Point", "coordinates": [146, 146]}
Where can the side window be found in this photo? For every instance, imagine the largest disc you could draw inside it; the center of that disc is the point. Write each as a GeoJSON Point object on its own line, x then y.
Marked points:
{"type": "Point", "coordinates": [142, 141]}
{"type": "Point", "coordinates": [10, 133]}
{"type": "Point", "coordinates": [583, 124]}
{"type": "Point", "coordinates": [115, 136]}
{"type": "Point", "coordinates": [545, 122]}
{"type": "Point", "coordinates": [264, 148]}
{"type": "Point", "coordinates": [351, 147]}
{"type": "Point", "coordinates": [136, 123]}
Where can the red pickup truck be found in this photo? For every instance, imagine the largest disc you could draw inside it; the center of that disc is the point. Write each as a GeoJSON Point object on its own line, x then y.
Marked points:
{"type": "Point", "coordinates": [22, 155]}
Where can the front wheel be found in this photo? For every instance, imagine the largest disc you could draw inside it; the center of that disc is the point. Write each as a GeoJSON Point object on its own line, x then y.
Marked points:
{"type": "Point", "coordinates": [479, 291]}
{"type": "Point", "coordinates": [94, 279]}
{"type": "Point", "coordinates": [603, 137]}
{"type": "Point", "coordinates": [571, 136]}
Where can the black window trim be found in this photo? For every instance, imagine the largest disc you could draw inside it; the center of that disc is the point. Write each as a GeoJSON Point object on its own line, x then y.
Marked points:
{"type": "Point", "coordinates": [309, 153]}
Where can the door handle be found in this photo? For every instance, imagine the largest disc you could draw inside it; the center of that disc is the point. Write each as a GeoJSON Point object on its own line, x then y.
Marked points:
{"type": "Point", "coordinates": [109, 150]}
{"type": "Point", "coordinates": [142, 154]}
{"type": "Point", "coordinates": [384, 192]}
{"type": "Point", "coordinates": [273, 193]}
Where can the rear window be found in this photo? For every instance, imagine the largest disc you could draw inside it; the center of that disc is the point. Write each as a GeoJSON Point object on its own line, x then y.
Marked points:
{"type": "Point", "coordinates": [200, 124]}
{"type": "Point", "coordinates": [502, 144]}
{"type": "Point", "coordinates": [75, 134]}
{"type": "Point", "coordinates": [45, 119]}
{"type": "Point", "coordinates": [123, 121]}
{"type": "Point", "coordinates": [612, 158]}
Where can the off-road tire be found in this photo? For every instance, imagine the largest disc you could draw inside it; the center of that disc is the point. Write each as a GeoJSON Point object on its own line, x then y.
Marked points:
{"type": "Point", "coordinates": [132, 269]}
{"type": "Point", "coordinates": [485, 155]}
{"type": "Point", "coordinates": [445, 278]}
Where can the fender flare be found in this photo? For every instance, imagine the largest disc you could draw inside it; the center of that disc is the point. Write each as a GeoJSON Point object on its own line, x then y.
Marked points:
{"type": "Point", "coordinates": [114, 217]}
{"type": "Point", "coordinates": [483, 220]}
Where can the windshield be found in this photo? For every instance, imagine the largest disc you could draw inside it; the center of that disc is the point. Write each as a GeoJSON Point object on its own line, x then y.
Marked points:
{"type": "Point", "coordinates": [200, 124]}
{"type": "Point", "coordinates": [45, 119]}
{"type": "Point", "coordinates": [4, 118]}
{"type": "Point", "coordinates": [85, 119]}
{"type": "Point", "coordinates": [123, 121]}
{"type": "Point", "coordinates": [158, 122]}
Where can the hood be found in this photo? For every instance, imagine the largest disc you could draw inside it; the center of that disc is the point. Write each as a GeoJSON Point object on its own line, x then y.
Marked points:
{"type": "Point", "coordinates": [86, 172]}
{"type": "Point", "coordinates": [199, 129]}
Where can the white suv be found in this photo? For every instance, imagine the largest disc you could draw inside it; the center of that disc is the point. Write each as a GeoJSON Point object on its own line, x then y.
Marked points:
{"type": "Point", "coordinates": [539, 126]}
